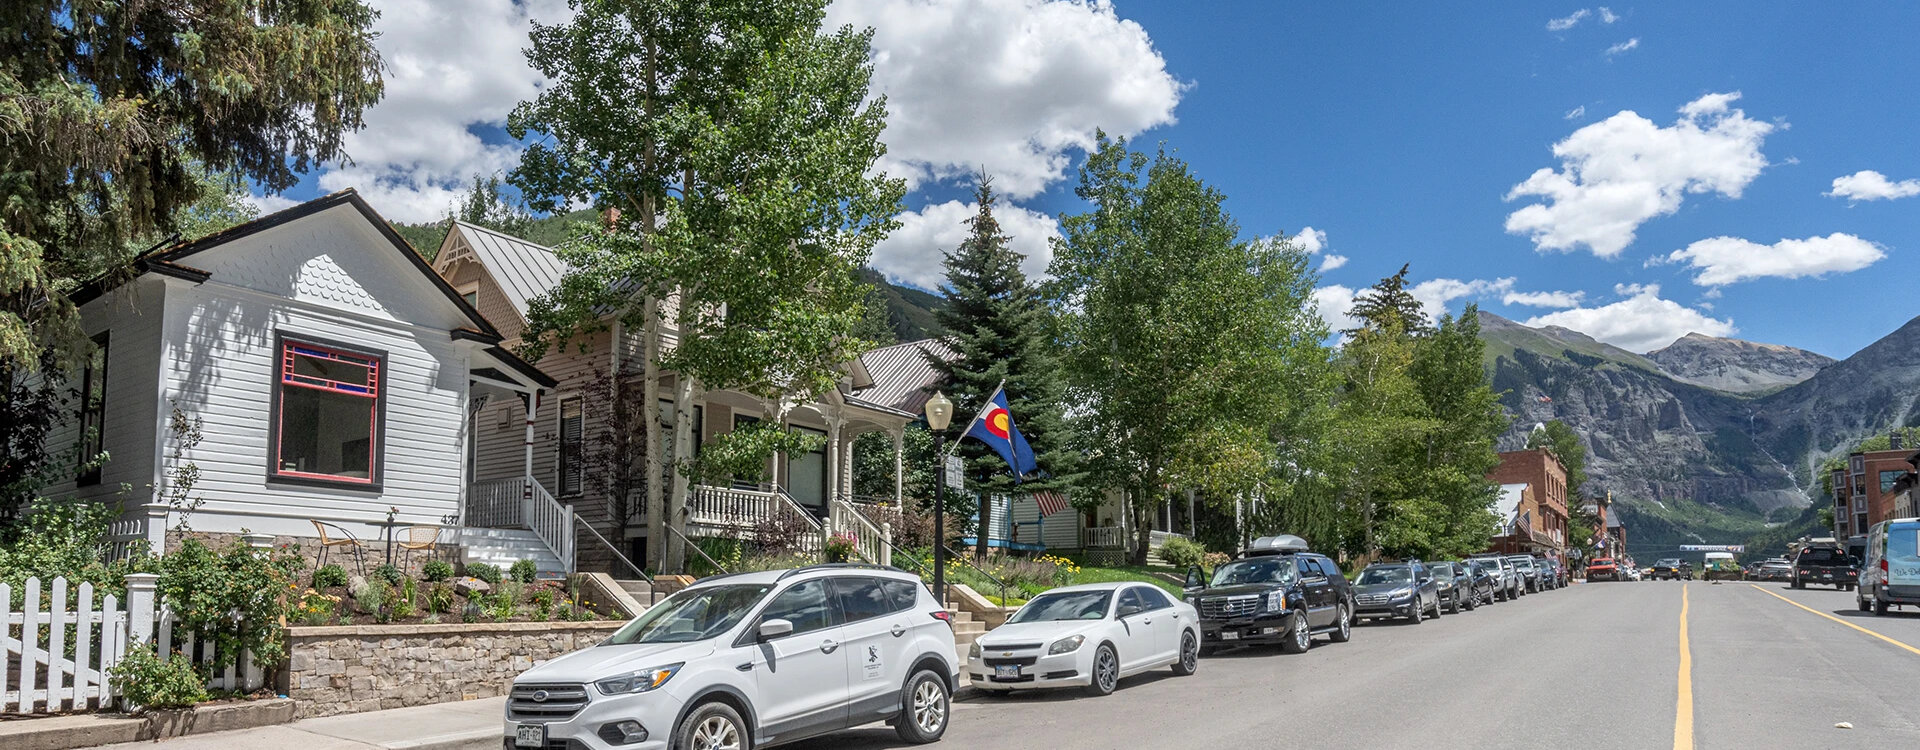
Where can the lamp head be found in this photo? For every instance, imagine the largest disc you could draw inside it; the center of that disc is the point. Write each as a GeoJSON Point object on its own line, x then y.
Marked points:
{"type": "Point", "coordinates": [939, 411]}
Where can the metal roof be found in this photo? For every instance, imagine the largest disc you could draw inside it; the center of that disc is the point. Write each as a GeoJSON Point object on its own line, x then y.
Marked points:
{"type": "Point", "coordinates": [523, 269]}
{"type": "Point", "coordinates": [902, 375]}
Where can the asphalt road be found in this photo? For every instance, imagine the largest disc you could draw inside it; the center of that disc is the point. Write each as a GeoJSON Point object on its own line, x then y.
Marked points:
{"type": "Point", "coordinates": [1590, 666]}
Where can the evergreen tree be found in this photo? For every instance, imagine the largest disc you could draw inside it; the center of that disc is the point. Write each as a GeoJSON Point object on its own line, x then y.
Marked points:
{"type": "Point", "coordinates": [1389, 302]}
{"type": "Point", "coordinates": [1559, 437]}
{"type": "Point", "coordinates": [1468, 419]}
{"type": "Point", "coordinates": [1000, 330]}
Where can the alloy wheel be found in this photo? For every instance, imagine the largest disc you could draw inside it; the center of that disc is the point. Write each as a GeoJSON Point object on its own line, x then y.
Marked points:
{"type": "Point", "coordinates": [1106, 669]}
{"type": "Point", "coordinates": [716, 733]}
{"type": "Point", "coordinates": [1189, 653]}
{"type": "Point", "coordinates": [929, 707]}
{"type": "Point", "coordinates": [1302, 637]}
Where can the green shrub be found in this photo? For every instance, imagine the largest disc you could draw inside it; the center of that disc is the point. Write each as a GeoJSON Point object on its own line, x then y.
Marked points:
{"type": "Point", "coordinates": [329, 576]}
{"type": "Point", "coordinates": [542, 603]}
{"type": "Point", "coordinates": [523, 571]}
{"type": "Point", "coordinates": [234, 598]}
{"type": "Point", "coordinates": [1183, 553]}
{"type": "Point", "coordinates": [436, 570]}
{"type": "Point", "coordinates": [146, 681]}
{"type": "Point", "coordinates": [505, 601]}
{"type": "Point", "coordinates": [402, 605]}
{"type": "Point", "coordinates": [484, 572]}
{"type": "Point", "coordinates": [371, 595]}
{"type": "Point", "coordinates": [386, 572]}
{"type": "Point", "coordinates": [439, 598]}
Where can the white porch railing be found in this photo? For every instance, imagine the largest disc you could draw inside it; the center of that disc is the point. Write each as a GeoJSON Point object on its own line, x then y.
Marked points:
{"type": "Point", "coordinates": [496, 503]}
{"type": "Point", "coordinates": [1106, 537]}
{"type": "Point", "coordinates": [873, 543]}
{"type": "Point", "coordinates": [752, 512]}
{"type": "Point", "coordinates": [523, 502]}
{"type": "Point", "coordinates": [552, 521]}
{"type": "Point", "coordinates": [66, 668]}
{"type": "Point", "coordinates": [1158, 539]}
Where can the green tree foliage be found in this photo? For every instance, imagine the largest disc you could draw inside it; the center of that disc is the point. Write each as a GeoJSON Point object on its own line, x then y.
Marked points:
{"type": "Point", "coordinates": [1000, 331]}
{"type": "Point", "coordinates": [1565, 443]}
{"type": "Point", "coordinates": [112, 117]}
{"type": "Point", "coordinates": [1184, 343]}
{"type": "Point", "coordinates": [735, 140]}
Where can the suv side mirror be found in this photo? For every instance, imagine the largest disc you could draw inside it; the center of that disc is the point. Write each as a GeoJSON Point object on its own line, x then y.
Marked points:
{"type": "Point", "coordinates": [771, 629]}
{"type": "Point", "coordinates": [1194, 579]}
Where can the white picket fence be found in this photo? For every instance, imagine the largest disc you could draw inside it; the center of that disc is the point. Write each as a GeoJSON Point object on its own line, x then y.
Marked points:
{"type": "Point", "coordinates": [59, 649]}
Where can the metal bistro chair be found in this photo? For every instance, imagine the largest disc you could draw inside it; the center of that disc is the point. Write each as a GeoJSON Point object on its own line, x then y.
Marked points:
{"type": "Point", "coordinates": [421, 538]}
{"type": "Point", "coordinates": [333, 536]}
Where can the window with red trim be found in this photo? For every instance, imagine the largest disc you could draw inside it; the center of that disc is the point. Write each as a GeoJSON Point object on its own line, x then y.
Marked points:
{"type": "Point", "coordinates": [327, 414]}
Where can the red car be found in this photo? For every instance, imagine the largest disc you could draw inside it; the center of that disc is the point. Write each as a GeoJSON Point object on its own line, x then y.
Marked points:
{"type": "Point", "coordinates": [1603, 569]}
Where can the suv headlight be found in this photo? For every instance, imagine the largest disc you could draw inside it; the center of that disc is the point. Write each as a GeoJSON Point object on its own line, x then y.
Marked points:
{"type": "Point", "coordinates": [1066, 645]}
{"type": "Point", "coordinates": [1402, 593]}
{"type": "Point", "coordinates": [638, 682]}
{"type": "Point", "coordinates": [1276, 601]}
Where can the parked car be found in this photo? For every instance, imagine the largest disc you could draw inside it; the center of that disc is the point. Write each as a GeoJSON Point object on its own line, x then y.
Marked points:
{"type": "Point", "coordinates": [1720, 566]}
{"type": "Point", "coordinates": [1776, 569]}
{"type": "Point", "coordinates": [1667, 569]}
{"type": "Point", "coordinates": [1511, 586]}
{"type": "Point", "coordinates": [1487, 573]}
{"type": "Point", "coordinates": [1276, 592]}
{"type": "Point", "coordinates": [1891, 576]}
{"type": "Point", "coordinates": [751, 659]}
{"type": "Point", "coordinates": [1455, 584]}
{"type": "Point", "coordinates": [1633, 573]}
{"type": "Point", "coordinates": [1558, 570]}
{"type": "Point", "coordinates": [1396, 590]}
{"type": "Point", "coordinates": [1826, 566]}
{"type": "Point", "coordinates": [1603, 569]}
{"type": "Point", "coordinates": [1087, 636]}
{"type": "Point", "coordinates": [1529, 574]}
{"type": "Point", "coordinates": [1686, 570]}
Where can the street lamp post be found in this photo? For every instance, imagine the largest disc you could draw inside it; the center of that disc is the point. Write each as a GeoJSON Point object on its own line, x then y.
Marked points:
{"type": "Point", "coordinates": [939, 412]}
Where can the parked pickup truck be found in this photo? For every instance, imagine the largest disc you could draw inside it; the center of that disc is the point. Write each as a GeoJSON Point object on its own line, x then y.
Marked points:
{"type": "Point", "coordinates": [1824, 566]}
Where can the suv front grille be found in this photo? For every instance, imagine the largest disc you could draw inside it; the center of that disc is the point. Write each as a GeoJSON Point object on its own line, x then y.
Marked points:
{"type": "Point", "coordinates": [545, 702]}
{"type": "Point", "coordinates": [1225, 607]}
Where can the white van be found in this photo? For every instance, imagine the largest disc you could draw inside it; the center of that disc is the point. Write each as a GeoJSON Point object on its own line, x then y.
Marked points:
{"type": "Point", "coordinates": [1891, 573]}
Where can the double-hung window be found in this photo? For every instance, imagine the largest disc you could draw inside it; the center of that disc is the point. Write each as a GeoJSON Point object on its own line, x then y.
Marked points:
{"type": "Point", "coordinates": [93, 412]}
{"type": "Point", "coordinates": [327, 414]}
{"type": "Point", "coordinates": [572, 433]}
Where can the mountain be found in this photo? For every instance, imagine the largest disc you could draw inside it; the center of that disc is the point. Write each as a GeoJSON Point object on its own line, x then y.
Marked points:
{"type": "Point", "coordinates": [1708, 440]}
{"type": "Point", "coordinates": [1737, 366]}
{"type": "Point", "coordinates": [909, 310]}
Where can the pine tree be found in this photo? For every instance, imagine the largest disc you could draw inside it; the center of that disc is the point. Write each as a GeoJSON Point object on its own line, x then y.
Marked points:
{"type": "Point", "coordinates": [1000, 330]}
{"type": "Point", "coordinates": [1389, 302]}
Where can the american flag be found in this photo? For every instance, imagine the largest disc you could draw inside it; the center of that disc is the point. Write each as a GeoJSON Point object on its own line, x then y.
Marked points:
{"type": "Point", "coordinates": [1050, 502]}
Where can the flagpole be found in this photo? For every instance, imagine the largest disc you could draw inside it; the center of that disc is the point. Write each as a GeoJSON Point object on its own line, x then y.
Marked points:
{"type": "Point", "coordinates": [984, 408]}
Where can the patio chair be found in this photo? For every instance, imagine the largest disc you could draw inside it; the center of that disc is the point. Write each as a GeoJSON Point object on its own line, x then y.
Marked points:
{"type": "Point", "coordinates": [333, 536]}
{"type": "Point", "coordinates": [421, 538]}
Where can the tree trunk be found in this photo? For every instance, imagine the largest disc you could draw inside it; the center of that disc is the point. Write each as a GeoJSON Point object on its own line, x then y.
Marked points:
{"type": "Point", "coordinates": [684, 392]}
{"type": "Point", "coordinates": [650, 415]}
{"type": "Point", "coordinates": [1142, 504]}
{"type": "Point", "coordinates": [986, 524]}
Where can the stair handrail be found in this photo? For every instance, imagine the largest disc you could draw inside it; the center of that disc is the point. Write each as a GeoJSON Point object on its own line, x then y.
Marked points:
{"type": "Point", "coordinates": [653, 592]}
{"type": "Point", "coordinates": [951, 555]}
{"type": "Point", "coordinates": [696, 549]}
{"type": "Point", "coordinates": [551, 520]}
{"type": "Point", "coordinates": [795, 506]}
{"type": "Point", "coordinates": [879, 543]}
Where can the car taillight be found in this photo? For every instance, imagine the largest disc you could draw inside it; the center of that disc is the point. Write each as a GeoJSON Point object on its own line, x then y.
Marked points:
{"type": "Point", "coordinates": [1883, 565]}
{"type": "Point", "coordinates": [943, 616]}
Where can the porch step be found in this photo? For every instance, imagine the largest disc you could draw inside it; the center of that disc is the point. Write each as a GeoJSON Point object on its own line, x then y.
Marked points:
{"type": "Point", "coordinates": [502, 548]}
{"type": "Point", "coordinates": [641, 591]}
{"type": "Point", "coordinates": [966, 630]}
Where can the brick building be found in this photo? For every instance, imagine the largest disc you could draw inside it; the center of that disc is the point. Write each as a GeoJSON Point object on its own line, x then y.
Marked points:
{"type": "Point", "coordinates": [1538, 514]}
{"type": "Point", "coordinates": [1866, 490]}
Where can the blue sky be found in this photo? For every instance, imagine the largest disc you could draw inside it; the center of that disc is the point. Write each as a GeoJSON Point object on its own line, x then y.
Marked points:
{"type": "Point", "coordinates": [1399, 132]}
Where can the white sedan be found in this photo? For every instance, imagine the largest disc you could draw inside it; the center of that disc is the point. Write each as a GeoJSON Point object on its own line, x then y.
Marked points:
{"type": "Point", "coordinates": [1087, 636]}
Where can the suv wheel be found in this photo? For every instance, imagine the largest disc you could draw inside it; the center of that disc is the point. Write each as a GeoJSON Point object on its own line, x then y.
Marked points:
{"type": "Point", "coordinates": [1302, 638]}
{"type": "Point", "coordinates": [1419, 613]}
{"type": "Point", "coordinates": [1189, 655]}
{"type": "Point", "coordinates": [1106, 671]}
{"type": "Point", "coordinates": [714, 726]}
{"type": "Point", "coordinates": [1343, 631]}
{"type": "Point", "coordinates": [926, 705]}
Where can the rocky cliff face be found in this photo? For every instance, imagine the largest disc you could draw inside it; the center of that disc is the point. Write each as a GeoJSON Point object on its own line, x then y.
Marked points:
{"type": "Point", "coordinates": [1736, 366]}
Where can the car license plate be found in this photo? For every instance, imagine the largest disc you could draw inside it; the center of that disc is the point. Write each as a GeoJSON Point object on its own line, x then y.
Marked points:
{"type": "Point", "coordinates": [1229, 635]}
{"type": "Point", "coordinates": [1006, 671]}
{"type": "Point", "coordinates": [529, 735]}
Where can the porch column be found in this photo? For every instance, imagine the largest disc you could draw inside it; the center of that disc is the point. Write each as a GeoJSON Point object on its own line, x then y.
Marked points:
{"type": "Point", "coordinates": [900, 467]}
{"type": "Point", "coordinates": [836, 455]}
{"type": "Point", "coordinates": [532, 399]}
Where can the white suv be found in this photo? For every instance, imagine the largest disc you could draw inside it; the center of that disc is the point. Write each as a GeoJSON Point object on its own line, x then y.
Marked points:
{"type": "Point", "coordinates": [749, 660]}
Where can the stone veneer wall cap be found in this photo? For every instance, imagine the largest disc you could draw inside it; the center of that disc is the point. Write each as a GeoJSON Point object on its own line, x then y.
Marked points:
{"type": "Point", "coordinates": [446, 628]}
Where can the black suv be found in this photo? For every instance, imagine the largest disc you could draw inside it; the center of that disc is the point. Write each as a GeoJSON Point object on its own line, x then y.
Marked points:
{"type": "Point", "coordinates": [1276, 591]}
{"type": "Point", "coordinates": [1826, 566]}
{"type": "Point", "coordinates": [1668, 568]}
{"type": "Point", "coordinates": [1458, 589]}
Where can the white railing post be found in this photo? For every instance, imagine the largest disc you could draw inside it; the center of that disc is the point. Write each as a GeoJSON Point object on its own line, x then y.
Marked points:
{"type": "Point", "coordinates": [886, 544]}
{"type": "Point", "coordinates": [567, 538]}
{"type": "Point", "coordinates": [156, 529]}
{"type": "Point", "coordinates": [140, 609]}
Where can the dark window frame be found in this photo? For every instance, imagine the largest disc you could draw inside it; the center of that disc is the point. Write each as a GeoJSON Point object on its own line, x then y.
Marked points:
{"type": "Point", "coordinates": [376, 468]}
{"type": "Point", "coordinates": [93, 416]}
{"type": "Point", "coordinates": [569, 461]}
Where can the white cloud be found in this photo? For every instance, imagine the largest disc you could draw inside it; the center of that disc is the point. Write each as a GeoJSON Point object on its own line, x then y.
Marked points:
{"type": "Point", "coordinates": [1310, 240]}
{"type": "Point", "coordinates": [1435, 294]}
{"type": "Point", "coordinates": [1575, 113]}
{"type": "Point", "coordinates": [267, 204]}
{"type": "Point", "coordinates": [1729, 260]}
{"type": "Point", "coordinates": [914, 252]}
{"type": "Point", "coordinates": [1868, 185]}
{"type": "Point", "coordinates": [1607, 15]}
{"type": "Point", "coordinates": [1334, 303]}
{"type": "Point", "coordinates": [1641, 322]}
{"type": "Point", "coordinates": [1622, 171]}
{"type": "Point", "coordinates": [1544, 299]}
{"type": "Point", "coordinates": [1623, 46]}
{"type": "Point", "coordinates": [1008, 86]}
{"type": "Point", "coordinates": [1331, 261]}
{"type": "Point", "coordinates": [1562, 24]}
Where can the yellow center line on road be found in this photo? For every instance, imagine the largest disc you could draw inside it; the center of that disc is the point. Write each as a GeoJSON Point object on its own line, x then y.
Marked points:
{"type": "Point", "coordinates": [1683, 705]}
{"type": "Point", "coordinates": [1910, 649]}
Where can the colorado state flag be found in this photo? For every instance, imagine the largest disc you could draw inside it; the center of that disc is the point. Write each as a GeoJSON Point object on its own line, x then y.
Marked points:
{"type": "Point", "coordinates": [995, 427]}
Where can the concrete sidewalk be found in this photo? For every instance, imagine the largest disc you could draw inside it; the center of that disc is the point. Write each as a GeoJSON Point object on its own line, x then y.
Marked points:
{"type": "Point", "coordinates": [465, 725]}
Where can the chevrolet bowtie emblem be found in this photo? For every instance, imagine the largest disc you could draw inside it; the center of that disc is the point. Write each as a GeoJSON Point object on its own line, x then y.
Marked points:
{"type": "Point", "coordinates": [1006, 653]}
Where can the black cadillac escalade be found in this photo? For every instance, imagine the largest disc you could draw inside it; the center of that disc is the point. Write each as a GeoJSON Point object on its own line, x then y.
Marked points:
{"type": "Point", "coordinates": [1275, 592]}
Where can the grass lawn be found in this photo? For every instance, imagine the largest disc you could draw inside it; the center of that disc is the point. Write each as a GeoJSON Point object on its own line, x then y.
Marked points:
{"type": "Point", "coordinates": [1141, 573]}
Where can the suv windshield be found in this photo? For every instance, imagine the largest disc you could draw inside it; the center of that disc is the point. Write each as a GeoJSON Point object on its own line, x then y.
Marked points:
{"type": "Point", "coordinates": [691, 615]}
{"type": "Point", "coordinates": [1076, 605]}
{"type": "Point", "coordinates": [1254, 570]}
{"type": "Point", "coordinates": [1822, 556]}
{"type": "Point", "coordinates": [1667, 563]}
{"type": "Point", "coordinates": [1393, 574]}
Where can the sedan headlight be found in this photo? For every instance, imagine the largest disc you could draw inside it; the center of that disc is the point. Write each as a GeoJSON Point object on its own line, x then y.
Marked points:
{"type": "Point", "coordinates": [638, 682]}
{"type": "Point", "coordinates": [973, 652]}
{"type": "Point", "coordinates": [1066, 645]}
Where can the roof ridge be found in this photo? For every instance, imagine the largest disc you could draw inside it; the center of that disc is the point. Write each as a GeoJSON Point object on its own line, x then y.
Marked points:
{"type": "Point", "coordinates": [498, 233]}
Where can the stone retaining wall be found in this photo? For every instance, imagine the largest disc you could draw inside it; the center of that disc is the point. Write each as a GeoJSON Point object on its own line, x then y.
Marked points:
{"type": "Point", "coordinates": [347, 669]}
